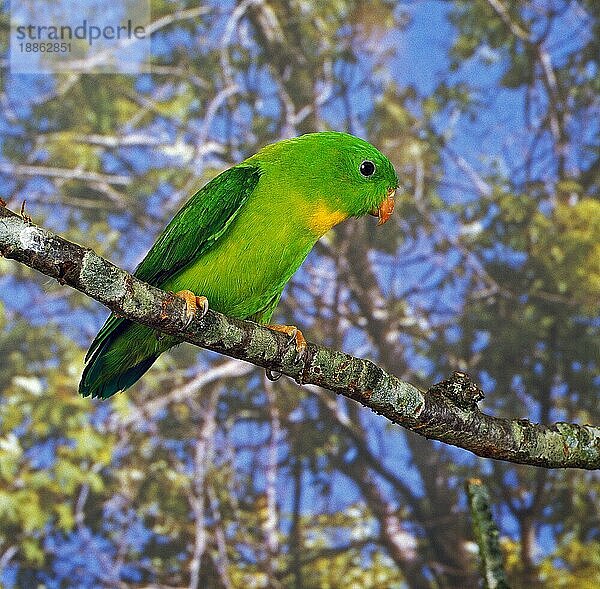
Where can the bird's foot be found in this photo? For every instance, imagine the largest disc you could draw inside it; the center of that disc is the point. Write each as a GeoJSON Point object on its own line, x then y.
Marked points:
{"type": "Point", "coordinates": [295, 337]}
{"type": "Point", "coordinates": [193, 303]}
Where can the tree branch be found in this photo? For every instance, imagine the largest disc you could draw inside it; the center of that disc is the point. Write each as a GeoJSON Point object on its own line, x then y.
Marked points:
{"type": "Point", "coordinates": [487, 536]}
{"type": "Point", "coordinates": [447, 412]}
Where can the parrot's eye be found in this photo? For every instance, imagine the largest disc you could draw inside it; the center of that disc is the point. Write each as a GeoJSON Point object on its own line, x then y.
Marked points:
{"type": "Point", "coordinates": [367, 168]}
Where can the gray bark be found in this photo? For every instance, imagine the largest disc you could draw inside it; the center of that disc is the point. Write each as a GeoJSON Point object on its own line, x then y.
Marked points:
{"type": "Point", "coordinates": [447, 412]}
{"type": "Point", "coordinates": [487, 537]}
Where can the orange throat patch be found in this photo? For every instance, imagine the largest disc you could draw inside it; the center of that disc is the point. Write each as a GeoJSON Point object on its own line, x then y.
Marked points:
{"type": "Point", "coordinates": [323, 218]}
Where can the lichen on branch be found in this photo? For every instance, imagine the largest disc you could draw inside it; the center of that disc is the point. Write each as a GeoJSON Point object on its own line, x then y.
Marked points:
{"type": "Point", "coordinates": [447, 412]}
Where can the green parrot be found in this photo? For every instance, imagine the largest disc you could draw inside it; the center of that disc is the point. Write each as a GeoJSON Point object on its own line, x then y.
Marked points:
{"type": "Point", "coordinates": [241, 237]}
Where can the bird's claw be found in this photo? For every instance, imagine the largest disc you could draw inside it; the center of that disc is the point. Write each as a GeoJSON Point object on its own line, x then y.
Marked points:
{"type": "Point", "coordinates": [272, 375]}
{"type": "Point", "coordinates": [296, 337]}
{"type": "Point", "coordinates": [193, 304]}
{"type": "Point", "coordinates": [202, 306]}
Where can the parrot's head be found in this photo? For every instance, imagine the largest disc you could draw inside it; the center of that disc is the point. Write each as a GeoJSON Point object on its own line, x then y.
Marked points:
{"type": "Point", "coordinates": [340, 175]}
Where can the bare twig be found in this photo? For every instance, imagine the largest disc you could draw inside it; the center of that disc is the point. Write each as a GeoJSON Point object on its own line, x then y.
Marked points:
{"type": "Point", "coordinates": [62, 173]}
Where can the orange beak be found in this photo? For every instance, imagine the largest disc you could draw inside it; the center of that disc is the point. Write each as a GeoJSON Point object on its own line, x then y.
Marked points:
{"type": "Point", "coordinates": [386, 208]}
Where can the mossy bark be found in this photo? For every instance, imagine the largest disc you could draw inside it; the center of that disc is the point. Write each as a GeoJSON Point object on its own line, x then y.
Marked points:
{"type": "Point", "coordinates": [447, 412]}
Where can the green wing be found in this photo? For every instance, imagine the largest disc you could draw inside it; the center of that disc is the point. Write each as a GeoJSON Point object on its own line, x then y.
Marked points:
{"type": "Point", "coordinates": [199, 223]}
{"type": "Point", "coordinates": [193, 230]}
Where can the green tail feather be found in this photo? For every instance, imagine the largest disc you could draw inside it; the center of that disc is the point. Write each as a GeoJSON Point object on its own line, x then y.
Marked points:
{"type": "Point", "coordinates": [121, 353]}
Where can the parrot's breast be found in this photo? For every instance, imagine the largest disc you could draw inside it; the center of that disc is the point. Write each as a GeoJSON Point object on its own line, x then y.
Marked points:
{"type": "Point", "coordinates": [252, 261]}
{"type": "Point", "coordinates": [324, 218]}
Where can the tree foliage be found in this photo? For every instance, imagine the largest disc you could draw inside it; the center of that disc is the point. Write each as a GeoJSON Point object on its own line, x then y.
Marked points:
{"type": "Point", "coordinates": [206, 474]}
